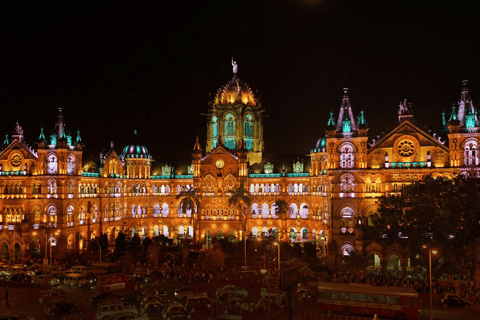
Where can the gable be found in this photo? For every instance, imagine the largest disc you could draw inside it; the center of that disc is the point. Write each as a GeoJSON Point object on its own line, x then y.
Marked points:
{"type": "Point", "coordinates": [407, 144]}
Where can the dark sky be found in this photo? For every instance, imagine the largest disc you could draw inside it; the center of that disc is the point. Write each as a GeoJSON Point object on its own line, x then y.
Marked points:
{"type": "Point", "coordinates": [118, 67]}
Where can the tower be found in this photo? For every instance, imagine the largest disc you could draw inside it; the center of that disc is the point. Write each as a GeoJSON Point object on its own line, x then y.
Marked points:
{"type": "Point", "coordinates": [235, 115]}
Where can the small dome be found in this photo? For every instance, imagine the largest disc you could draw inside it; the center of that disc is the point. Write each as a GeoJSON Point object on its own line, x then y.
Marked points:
{"type": "Point", "coordinates": [135, 149]}
{"type": "Point", "coordinates": [321, 143]}
{"type": "Point", "coordinates": [235, 89]}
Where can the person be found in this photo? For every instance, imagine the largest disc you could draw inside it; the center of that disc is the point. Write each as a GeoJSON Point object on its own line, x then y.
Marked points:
{"type": "Point", "coordinates": [477, 297]}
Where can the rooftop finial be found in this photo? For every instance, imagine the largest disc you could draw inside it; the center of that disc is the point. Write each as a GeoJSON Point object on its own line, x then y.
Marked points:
{"type": "Point", "coordinates": [235, 67]}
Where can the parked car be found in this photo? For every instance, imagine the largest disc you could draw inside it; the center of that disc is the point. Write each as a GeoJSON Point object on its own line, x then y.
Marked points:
{"type": "Point", "coordinates": [152, 308]}
{"type": "Point", "coordinates": [175, 311]}
{"type": "Point", "coordinates": [142, 277]}
{"type": "Point", "coordinates": [105, 296]}
{"type": "Point", "coordinates": [452, 300]}
{"type": "Point", "coordinates": [47, 295]}
{"type": "Point", "coordinates": [14, 316]}
{"type": "Point", "coordinates": [184, 290]}
{"type": "Point", "coordinates": [128, 316]}
{"type": "Point", "coordinates": [229, 291]}
{"type": "Point", "coordinates": [114, 307]}
{"type": "Point", "coordinates": [52, 281]}
{"type": "Point", "coordinates": [60, 307]}
{"type": "Point", "coordinates": [197, 302]}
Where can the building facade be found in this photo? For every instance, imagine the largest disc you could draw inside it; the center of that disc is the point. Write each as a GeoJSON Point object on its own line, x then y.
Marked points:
{"type": "Point", "coordinates": [49, 195]}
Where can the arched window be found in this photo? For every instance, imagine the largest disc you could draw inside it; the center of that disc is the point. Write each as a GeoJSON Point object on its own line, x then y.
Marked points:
{"type": "Point", "coordinates": [264, 210]}
{"type": "Point", "coordinates": [346, 182]}
{"type": "Point", "coordinates": [347, 157]}
{"type": "Point", "coordinates": [165, 210]}
{"type": "Point", "coordinates": [293, 210]}
{"type": "Point", "coordinates": [52, 214]}
{"type": "Point", "coordinates": [52, 164]}
{"type": "Point", "coordinates": [36, 215]}
{"type": "Point", "coordinates": [52, 187]}
{"type": "Point", "coordinates": [165, 231]}
{"type": "Point", "coordinates": [71, 164]}
{"type": "Point", "coordinates": [255, 210]}
{"type": "Point", "coordinates": [229, 131]}
{"type": "Point", "coordinates": [156, 210]}
{"type": "Point", "coordinates": [214, 131]}
{"type": "Point", "coordinates": [470, 155]}
{"type": "Point", "coordinates": [248, 131]}
{"type": "Point", "coordinates": [304, 211]}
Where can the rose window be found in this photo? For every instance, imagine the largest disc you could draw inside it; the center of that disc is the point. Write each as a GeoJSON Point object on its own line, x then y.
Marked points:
{"type": "Point", "coordinates": [16, 160]}
{"type": "Point", "coordinates": [406, 148]}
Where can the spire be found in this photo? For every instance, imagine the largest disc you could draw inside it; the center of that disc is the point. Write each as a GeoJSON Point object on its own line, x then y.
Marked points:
{"type": "Point", "coordinates": [443, 126]}
{"type": "Point", "coordinates": [197, 147]}
{"type": "Point", "coordinates": [361, 118]}
{"type": "Point", "coordinates": [79, 139]}
{"type": "Point", "coordinates": [42, 135]}
{"type": "Point", "coordinates": [6, 142]}
{"type": "Point", "coordinates": [465, 105]}
{"type": "Point", "coordinates": [453, 114]}
{"type": "Point", "coordinates": [60, 125]}
{"type": "Point", "coordinates": [346, 111]}
{"type": "Point", "coordinates": [331, 120]}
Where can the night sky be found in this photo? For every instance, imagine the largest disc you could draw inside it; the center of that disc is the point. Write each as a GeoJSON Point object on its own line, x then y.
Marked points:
{"type": "Point", "coordinates": [117, 68]}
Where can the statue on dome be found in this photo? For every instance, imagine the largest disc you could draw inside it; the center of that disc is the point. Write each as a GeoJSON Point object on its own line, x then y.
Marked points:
{"type": "Point", "coordinates": [235, 67]}
{"type": "Point", "coordinates": [18, 130]}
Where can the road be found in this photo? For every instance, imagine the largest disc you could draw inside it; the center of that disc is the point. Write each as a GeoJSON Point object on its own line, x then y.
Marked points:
{"type": "Point", "coordinates": [25, 301]}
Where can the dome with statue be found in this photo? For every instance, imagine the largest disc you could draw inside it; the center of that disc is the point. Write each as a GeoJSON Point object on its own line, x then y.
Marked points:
{"type": "Point", "coordinates": [135, 149]}
{"type": "Point", "coordinates": [235, 92]}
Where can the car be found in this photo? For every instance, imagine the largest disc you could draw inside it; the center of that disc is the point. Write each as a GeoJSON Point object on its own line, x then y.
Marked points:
{"type": "Point", "coordinates": [105, 296]}
{"type": "Point", "coordinates": [184, 290]}
{"type": "Point", "coordinates": [42, 279]}
{"type": "Point", "coordinates": [60, 307]}
{"type": "Point", "coordinates": [110, 308]}
{"type": "Point", "coordinates": [14, 316]}
{"type": "Point", "coordinates": [452, 300]}
{"type": "Point", "coordinates": [229, 291]}
{"type": "Point", "coordinates": [47, 295]}
{"type": "Point", "coordinates": [152, 308]}
{"type": "Point", "coordinates": [198, 302]}
{"type": "Point", "coordinates": [175, 311]}
{"type": "Point", "coordinates": [142, 277]}
{"type": "Point", "coordinates": [128, 316]}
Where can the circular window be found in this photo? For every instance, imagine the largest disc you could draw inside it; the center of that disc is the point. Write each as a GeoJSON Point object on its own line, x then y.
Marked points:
{"type": "Point", "coordinates": [406, 148]}
{"type": "Point", "coordinates": [16, 160]}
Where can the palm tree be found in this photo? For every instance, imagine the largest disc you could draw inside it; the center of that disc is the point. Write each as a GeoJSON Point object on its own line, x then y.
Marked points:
{"type": "Point", "coordinates": [241, 200]}
{"type": "Point", "coordinates": [190, 200]}
{"type": "Point", "coordinates": [281, 210]}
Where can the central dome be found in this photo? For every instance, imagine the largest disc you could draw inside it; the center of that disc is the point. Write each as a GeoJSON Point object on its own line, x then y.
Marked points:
{"type": "Point", "coordinates": [235, 91]}
{"type": "Point", "coordinates": [135, 149]}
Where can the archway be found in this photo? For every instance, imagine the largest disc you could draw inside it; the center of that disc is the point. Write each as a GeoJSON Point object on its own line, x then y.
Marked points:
{"type": "Point", "coordinates": [374, 265]}
{"type": "Point", "coordinates": [35, 248]}
{"type": "Point", "coordinates": [394, 267]}
{"type": "Point", "coordinates": [5, 253]}
{"type": "Point", "coordinates": [292, 235]}
{"type": "Point", "coordinates": [220, 235]}
{"type": "Point", "coordinates": [232, 236]}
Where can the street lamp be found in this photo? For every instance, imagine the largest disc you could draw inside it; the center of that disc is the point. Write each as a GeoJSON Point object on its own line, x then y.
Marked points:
{"type": "Point", "coordinates": [430, 251]}
{"type": "Point", "coordinates": [278, 244]}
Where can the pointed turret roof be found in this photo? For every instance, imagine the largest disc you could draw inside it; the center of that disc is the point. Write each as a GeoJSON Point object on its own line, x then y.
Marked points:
{"type": "Point", "coordinates": [345, 113]}
{"type": "Point", "coordinates": [465, 104]}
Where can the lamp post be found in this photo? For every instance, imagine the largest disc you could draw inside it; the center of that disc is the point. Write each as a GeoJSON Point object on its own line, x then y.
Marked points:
{"type": "Point", "coordinates": [99, 247]}
{"type": "Point", "coordinates": [430, 251]}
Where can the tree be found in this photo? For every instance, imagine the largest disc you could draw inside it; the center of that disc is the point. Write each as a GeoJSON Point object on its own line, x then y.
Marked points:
{"type": "Point", "coordinates": [241, 200]}
{"type": "Point", "coordinates": [434, 213]}
{"type": "Point", "coordinates": [190, 200]}
{"type": "Point", "coordinates": [281, 210]}
{"type": "Point", "coordinates": [212, 260]}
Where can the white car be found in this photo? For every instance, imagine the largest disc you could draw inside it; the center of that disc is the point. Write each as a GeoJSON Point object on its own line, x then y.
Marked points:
{"type": "Point", "coordinates": [52, 281]}
{"type": "Point", "coordinates": [110, 308]}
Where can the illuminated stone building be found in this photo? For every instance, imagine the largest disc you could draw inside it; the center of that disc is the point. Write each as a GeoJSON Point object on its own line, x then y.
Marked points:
{"type": "Point", "coordinates": [48, 192]}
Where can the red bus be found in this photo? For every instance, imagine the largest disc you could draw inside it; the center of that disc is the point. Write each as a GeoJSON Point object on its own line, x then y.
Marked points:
{"type": "Point", "coordinates": [114, 282]}
{"type": "Point", "coordinates": [401, 303]}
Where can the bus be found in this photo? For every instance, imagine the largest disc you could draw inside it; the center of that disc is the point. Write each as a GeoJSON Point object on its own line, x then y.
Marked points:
{"type": "Point", "coordinates": [114, 282]}
{"type": "Point", "coordinates": [401, 303]}
{"type": "Point", "coordinates": [104, 268]}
